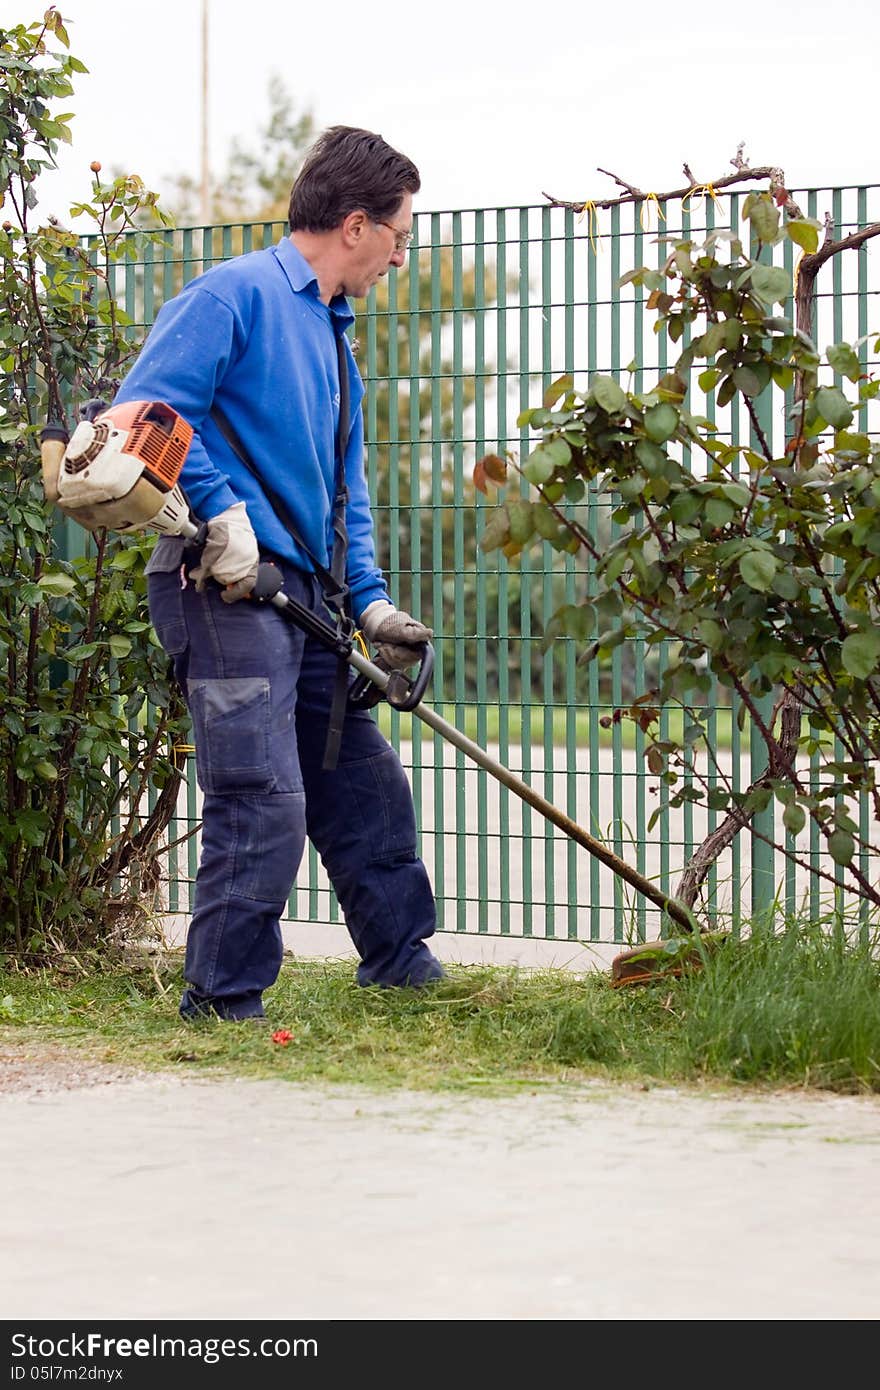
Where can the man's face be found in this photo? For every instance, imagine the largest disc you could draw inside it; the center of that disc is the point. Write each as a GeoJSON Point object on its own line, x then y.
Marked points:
{"type": "Point", "coordinates": [379, 246]}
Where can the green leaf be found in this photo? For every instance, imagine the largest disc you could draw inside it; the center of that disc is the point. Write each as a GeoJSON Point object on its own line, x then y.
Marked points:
{"type": "Point", "coordinates": [771, 282]}
{"type": "Point", "coordinates": [48, 771]}
{"type": "Point", "coordinates": [125, 559]}
{"type": "Point", "coordinates": [612, 568]}
{"type": "Point", "coordinates": [539, 467]}
{"type": "Point", "coordinates": [711, 634]}
{"type": "Point", "coordinates": [707, 379]}
{"type": "Point", "coordinates": [737, 494]}
{"type": "Point", "coordinates": [783, 376]}
{"type": "Point", "coordinates": [833, 406]}
{"type": "Point", "coordinates": [577, 620]}
{"type": "Point", "coordinates": [661, 422]}
{"type": "Point", "coordinates": [764, 217]}
{"type": "Point", "coordinates": [560, 387]}
{"type": "Point", "coordinates": [726, 392]}
{"type": "Point", "coordinates": [546, 522]}
{"type": "Point", "coordinates": [522, 525]}
{"type": "Point", "coordinates": [841, 846]}
{"type": "Point", "coordinates": [119, 646]}
{"type": "Point", "coordinates": [684, 507]}
{"type": "Point", "coordinates": [786, 585]}
{"type": "Point", "coordinates": [497, 531]}
{"type": "Point", "coordinates": [609, 395]}
{"type": "Point", "coordinates": [804, 234]}
{"type": "Point", "coordinates": [846, 443]}
{"type": "Point", "coordinates": [56, 585]}
{"type": "Point", "coordinates": [671, 387]}
{"type": "Point", "coordinates": [842, 358]}
{"type": "Point", "coordinates": [860, 653]}
{"type": "Point", "coordinates": [718, 511]}
{"type": "Point", "coordinates": [650, 456]}
{"type": "Point", "coordinates": [748, 381]}
{"type": "Point", "coordinates": [558, 451]}
{"type": "Point", "coordinates": [757, 568]}
{"type": "Point", "coordinates": [31, 826]}
{"type": "Point", "coordinates": [82, 652]}
{"type": "Point", "coordinates": [794, 818]}
{"type": "Point", "coordinates": [712, 340]}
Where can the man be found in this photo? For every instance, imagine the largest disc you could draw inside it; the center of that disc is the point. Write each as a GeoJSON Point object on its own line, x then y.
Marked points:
{"type": "Point", "coordinates": [259, 337]}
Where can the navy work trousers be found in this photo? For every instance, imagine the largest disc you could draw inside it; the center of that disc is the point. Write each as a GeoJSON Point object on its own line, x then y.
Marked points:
{"type": "Point", "coordinates": [259, 692]}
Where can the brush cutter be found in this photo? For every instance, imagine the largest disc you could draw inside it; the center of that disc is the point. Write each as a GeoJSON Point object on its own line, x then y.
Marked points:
{"type": "Point", "coordinates": [121, 469]}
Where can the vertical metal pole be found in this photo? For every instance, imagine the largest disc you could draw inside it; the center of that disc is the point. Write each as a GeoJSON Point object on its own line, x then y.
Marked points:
{"type": "Point", "coordinates": [437, 558]}
{"type": "Point", "coordinates": [414, 388]}
{"type": "Point", "coordinates": [480, 624]}
{"type": "Point", "coordinates": [502, 406]}
{"type": "Point", "coordinates": [525, 592]}
{"type": "Point", "coordinates": [764, 822]}
{"type": "Point", "coordinates": [640, 770]}
{"type": "Point", "coordinates": [595, 508]}
{"type": "Point", "coordinates": [457, 502]}
{"type": "Point", "coordinates": [618, 824]}
{"type": "Point", "coordinates": [862, 300]}
{"type": "Point", "coordinates": [548, 586]}
{"type": "Point", "coordinates": [663, 828]}
{"type": "Point", "coordinates": [205, 199]}
{"type": "Point", "coordinates": [570, 693]}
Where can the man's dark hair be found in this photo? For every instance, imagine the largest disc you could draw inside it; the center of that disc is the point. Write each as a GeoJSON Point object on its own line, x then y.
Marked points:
{"type": "Point", "coordinates": [347, 169]}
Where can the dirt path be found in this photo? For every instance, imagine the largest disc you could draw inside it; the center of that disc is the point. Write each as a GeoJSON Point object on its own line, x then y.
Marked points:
{"type": "Point", "coordinates": [162, 1197]}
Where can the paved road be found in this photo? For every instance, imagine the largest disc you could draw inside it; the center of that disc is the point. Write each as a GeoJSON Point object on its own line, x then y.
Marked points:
{"type": "Point", "coordinates": [167, 1197]}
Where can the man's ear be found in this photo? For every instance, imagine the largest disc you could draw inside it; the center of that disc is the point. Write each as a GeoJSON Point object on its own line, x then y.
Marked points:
{"type": "Point", "coordinates": [353, 227]}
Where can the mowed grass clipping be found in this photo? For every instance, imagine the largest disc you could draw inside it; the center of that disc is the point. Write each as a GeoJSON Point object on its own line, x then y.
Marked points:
{"type": "Point", "coordinates": [798, 1009]}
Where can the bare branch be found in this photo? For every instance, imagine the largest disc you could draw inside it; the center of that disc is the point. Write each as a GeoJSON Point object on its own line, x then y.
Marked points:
{"type": "Point", "coordinates": [630, 187]}
{"type": "Point", "coordinates": [744, 174]}
{"type": "Point", "coordinates": [810, 264]}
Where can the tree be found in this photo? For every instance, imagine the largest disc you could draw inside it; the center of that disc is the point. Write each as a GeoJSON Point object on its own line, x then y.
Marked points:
{"type": "Point", "coordinates": [256, 181]}
{"type": "Point", "coordinates": [762, 571]}
{"type": "Point", "coordinates": [88, 769]}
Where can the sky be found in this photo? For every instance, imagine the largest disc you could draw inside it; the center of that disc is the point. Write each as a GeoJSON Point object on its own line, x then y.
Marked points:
{"type": "Point", "coordinates": [497, 103]}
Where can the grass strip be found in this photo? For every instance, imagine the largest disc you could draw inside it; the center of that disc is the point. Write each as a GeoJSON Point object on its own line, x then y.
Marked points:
{"type": "Point", "coordinates": [801, 1009]}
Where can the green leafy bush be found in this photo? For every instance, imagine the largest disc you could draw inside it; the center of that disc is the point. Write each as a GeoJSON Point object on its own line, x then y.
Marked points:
{"type": "Point", "coordinates": [756, 571]}
{"type": "Point", "coordinates": [88, 719]}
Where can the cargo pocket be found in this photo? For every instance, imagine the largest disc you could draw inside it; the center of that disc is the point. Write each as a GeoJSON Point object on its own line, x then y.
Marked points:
{"type": "Point", "coordinates": [232, 725]}
{"type": "Point", "coordinates": [166, 611]}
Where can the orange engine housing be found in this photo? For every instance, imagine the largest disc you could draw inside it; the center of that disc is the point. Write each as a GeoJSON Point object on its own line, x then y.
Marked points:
{"type": "Point", "coordinates": [157, 435]}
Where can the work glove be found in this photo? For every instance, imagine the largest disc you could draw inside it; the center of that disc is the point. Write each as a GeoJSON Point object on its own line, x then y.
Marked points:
{"type": "Point", "coordinates": [394, 634]}
{"type": "Point", "coordinates": [230, 555]}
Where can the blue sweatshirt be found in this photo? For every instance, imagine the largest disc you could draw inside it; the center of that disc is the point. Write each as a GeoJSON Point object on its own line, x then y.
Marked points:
{"type": "Point", "coordinates": [253, 335]}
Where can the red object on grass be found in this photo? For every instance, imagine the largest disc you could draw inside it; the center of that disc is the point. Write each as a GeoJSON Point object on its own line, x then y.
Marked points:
{"type": "Point", "coordinates": [282, 1037]}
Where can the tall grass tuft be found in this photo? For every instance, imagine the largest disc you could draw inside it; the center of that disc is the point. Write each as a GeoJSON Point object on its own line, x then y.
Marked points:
{"type": "Point", "coordinates": [803, 1006]}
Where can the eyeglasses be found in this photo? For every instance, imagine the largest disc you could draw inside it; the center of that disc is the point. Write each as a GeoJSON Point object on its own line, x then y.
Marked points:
{"type": "Point", "coordinates": [402, 240]}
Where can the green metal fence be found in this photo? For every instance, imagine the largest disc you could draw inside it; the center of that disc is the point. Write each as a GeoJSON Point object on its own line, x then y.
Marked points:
{"type": "Point", "coordinates": [492, 305]}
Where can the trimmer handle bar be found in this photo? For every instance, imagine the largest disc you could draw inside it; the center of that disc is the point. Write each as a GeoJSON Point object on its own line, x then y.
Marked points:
{"type": "Point", "coordinates": [372, 682]}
